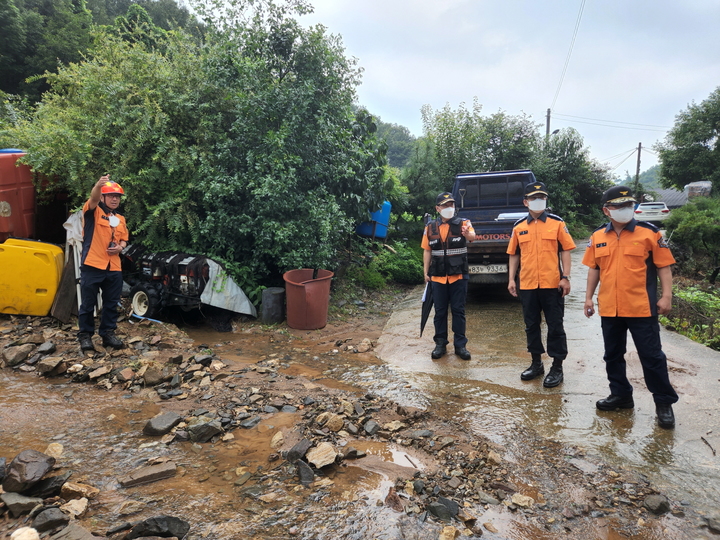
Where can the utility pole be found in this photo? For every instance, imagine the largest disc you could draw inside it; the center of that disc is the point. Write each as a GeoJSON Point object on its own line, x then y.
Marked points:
{"type": "Point", "coordinates": [547, 124]}
{"type": "Point", "coordinates": [637, 176]}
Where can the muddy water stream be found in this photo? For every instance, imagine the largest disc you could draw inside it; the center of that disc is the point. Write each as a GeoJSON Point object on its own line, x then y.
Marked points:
{"type": "Point", "coordinates": [487, 392]}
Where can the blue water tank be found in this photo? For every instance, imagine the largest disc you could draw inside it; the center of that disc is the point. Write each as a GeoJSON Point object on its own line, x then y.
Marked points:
{"type": "Point", "coordinates": [378, 226]}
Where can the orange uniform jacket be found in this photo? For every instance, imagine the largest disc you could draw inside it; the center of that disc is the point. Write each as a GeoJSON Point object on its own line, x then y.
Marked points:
{"type": "Point", "coordinates": [97, 235]}
{"type": "Point", "coordinates": [628, 268]}
{"type": "Point", "coordinates": [540, 241]}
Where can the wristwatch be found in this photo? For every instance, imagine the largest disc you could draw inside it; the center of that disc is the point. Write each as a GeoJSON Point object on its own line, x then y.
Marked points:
{"type": "Point", "coordinates": [565, 277]}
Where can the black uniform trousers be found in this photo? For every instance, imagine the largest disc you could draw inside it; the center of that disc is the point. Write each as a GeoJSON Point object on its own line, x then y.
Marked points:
{"type": "Point", "coordinates": [645, 333]}
{"type": "Point", "coordinates": [92, 280]}
{"type": "Point", "coordinates": [551, 302]}
{"type": "Point", "coordinates": [452, 295]}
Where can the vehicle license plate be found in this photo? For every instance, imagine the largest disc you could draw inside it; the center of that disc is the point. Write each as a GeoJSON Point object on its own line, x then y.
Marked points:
{"type": "Point", "coordinates": [488, 268]}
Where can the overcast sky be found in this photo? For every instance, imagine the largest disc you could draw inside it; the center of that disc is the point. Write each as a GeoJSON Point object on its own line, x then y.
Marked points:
{"type": "Point", "coordinates": [635, 64]}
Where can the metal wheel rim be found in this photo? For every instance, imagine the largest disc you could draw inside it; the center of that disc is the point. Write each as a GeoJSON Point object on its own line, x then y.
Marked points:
{"type": "Point", "coordinates": [141, 303]}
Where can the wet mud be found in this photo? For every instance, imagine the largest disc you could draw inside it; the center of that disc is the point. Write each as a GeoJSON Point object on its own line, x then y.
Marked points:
{"type": "Point", "coordinates": [558, 449]}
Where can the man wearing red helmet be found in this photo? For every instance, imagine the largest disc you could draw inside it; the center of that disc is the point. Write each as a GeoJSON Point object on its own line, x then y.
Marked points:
{"type": "Point", "coordinates": [105, 235]}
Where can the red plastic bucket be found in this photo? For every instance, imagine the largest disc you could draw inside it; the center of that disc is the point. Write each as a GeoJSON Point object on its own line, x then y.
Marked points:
{"type": "Point", "coordinates": [308, 299]}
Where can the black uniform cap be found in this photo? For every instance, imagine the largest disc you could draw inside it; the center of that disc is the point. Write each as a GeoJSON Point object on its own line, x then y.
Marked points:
{"type": "Point", "coordinates": [444, 197]}
{"type": "Point", "coordinates": [535, 188]}
{"type": "Point", "coordinates": [618, 195]}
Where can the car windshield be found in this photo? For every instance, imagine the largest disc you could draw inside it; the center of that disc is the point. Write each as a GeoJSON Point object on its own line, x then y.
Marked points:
{"type": "Point", "coordinates": [653, 205]}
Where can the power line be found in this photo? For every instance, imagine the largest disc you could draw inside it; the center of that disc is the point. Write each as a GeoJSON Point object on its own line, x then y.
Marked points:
{"type": "Point", "coordinates": [609, 121]}
{"type": "Point", "coordinates": [632, 152]}
{"type": "Point", "coordinates": [616, 127]}
{"type": "Point", "coordinates": [618, 155]}
{"type": "Point", "coordinates": [567, 60]}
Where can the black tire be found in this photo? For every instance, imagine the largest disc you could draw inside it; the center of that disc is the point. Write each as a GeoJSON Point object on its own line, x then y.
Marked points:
{"type": "Point", "coordinates": [145, 300]}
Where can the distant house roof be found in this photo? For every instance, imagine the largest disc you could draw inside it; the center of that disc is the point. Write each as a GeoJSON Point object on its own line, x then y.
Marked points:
{"type": "Point", "coordinates": [672, 197]}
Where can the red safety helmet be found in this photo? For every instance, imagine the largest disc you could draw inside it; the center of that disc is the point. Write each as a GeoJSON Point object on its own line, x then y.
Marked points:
{"type": "Point", "coordinates": [111, 187]}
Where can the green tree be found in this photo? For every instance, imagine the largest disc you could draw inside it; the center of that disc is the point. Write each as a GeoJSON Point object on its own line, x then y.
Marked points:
{"type": "Point", "coordinates": [575, 181]}
{"type": "Point", "coordinates": [400, 143]}
{"type": "Point", "coordinates": [244, 148]}
{"type": "Point", "coordinates": [422, 178]}
{"type": "Point", "coordinates": [40, 34]}
{"type": "Point", "coordinates": [691, 150]}
{"type": "Point", "coordinates": [650, 179]}
{"type": "Point", "coordinates": [465, 141]}
{"type": "Point", "coordinates": [165, 14]}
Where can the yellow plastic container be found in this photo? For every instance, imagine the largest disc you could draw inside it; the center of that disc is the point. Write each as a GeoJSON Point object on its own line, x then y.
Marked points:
{"type": "Point", "coordinates": [30, 274]}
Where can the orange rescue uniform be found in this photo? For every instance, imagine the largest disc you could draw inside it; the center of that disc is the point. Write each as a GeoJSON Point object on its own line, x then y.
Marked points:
{"type": "Point", "coordinates": [97, 235]}
{"type": "Point", "coordinates": [628, 266]}
{"type": "Point", "coordinates": [539, 241]}
{"type": "Point", "coordinates": [444, 229]}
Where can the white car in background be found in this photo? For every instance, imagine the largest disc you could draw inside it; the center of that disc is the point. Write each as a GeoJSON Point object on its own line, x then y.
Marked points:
{"type": "Point", "coordinates": [653, 212]}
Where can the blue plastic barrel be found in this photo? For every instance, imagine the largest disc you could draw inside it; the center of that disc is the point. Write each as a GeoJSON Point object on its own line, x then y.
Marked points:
{"type": "Point", "coordinates": [378, 226]}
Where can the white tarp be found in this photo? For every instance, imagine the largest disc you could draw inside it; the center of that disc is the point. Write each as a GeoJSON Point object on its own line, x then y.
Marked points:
{"type": "Point", "coordinates": [74, 238]}
{"type": "Point", "coordinates": [221, 291]}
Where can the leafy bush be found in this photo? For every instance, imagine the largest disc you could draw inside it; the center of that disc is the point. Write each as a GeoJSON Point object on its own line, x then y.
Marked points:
{"type": "Point", "coordinates": [696, 228]}
{"type": "Point", "coordinates": [695, 315]}
{"type": "Point", "coordinates": [369, 277]}
{"type": "Point", "coordinates": [402, 264]}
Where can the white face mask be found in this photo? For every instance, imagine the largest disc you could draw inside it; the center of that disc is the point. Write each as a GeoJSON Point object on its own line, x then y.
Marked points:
{"type": "Point", "coordinates": [448, 212]}
{"type": "Point", "coordinates": [537, 205]}
{"type": "Point", "coordinates": [114, 221]}
{"type": "Point", "coordinates": [622, 215]}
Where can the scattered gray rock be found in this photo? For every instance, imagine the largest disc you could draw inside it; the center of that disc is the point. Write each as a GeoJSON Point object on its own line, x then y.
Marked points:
{"type": "Point", "coordinates": [28, 468]}
{"type": "Point", "coordinates": [74, 531]}
{"type": "Point", "coordinates": [250, 422]}
{"type": "Point", "coordinates": [163, 526]}
{"type": "Point", "coordinates": [16, 355]}
{"type": "Point", "coordinates": [48, 364]}
{"type": "Point", "coordinates": [305, 473]}
{"type": "Point", "coordinates": [713, 524]}
{"type": "Point", "coordinates": [49, 519]}
{"type": "Point", "coordinates": [203, 428]}
{"type": "Point", "coordinates": [451, 505]}
{"type": "Point", "coordinates": [486, 498]}
{"type": "Point", "coordinates": [19, 504]}
{"type": "Point", "coordinates": [162, 424]}
{"type": "Point", "coordinates": [46, 348]}
{"type": "Point", "coordinates": [49, 487]}
{"type": "Point", "coordinates": [371, 427]}
{"type": "Point", "coordinates": [145, 475]}
{"type": "Point", "coordinates": [440, 511]}
{"type": "Point", "coordinates": [657, 504]}
{"type": "Point", "coordinates": [298, 451]}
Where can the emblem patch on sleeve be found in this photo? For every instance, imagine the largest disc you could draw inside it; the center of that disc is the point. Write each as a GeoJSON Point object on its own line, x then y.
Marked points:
{"type": "Point", "coordinates": [662, 242]}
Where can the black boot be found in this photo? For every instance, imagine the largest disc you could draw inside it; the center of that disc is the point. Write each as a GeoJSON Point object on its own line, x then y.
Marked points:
{"type": "Point", "coordinates": [438, 352]}
{"type": "Point", "coordinates": [554, 376]}
{"type": "Point", "coordinates": [109, 340]}
{"type": "Point", "coordinates": [86, 343]}
{"type": "Point", "coordinates": [535, 370]}
{"type": "Point", "coordinates": [666, 418]}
